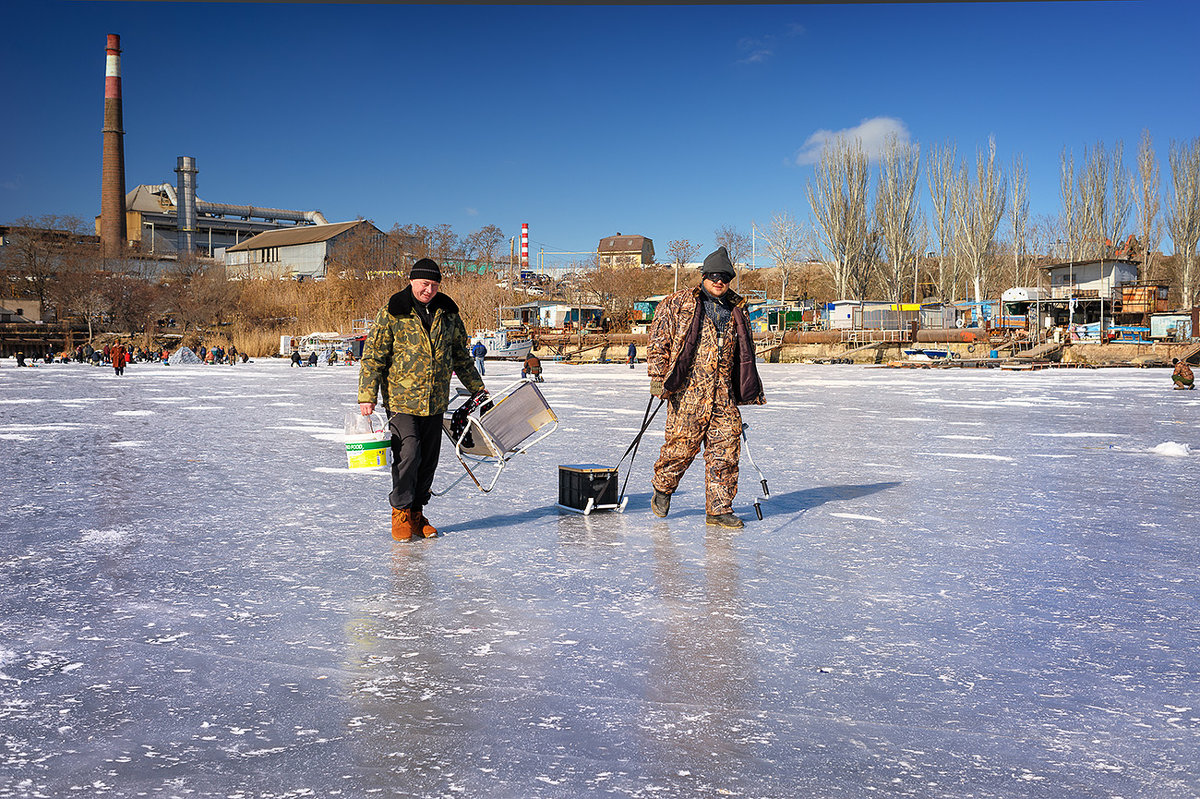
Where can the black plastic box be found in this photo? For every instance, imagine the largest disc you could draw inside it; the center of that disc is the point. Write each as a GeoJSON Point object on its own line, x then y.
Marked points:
{"type": "Point", "coordinates": [583, 481]}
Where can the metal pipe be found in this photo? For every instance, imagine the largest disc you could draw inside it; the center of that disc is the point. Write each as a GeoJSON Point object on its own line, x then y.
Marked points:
{"type": "Point", "coordinates": [247, 211]}
{"type": "Point", "coordinates": [185, 231]}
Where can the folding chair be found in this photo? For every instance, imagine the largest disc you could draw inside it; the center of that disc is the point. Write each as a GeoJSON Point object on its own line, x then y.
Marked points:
{"type": "Point", "coordinates": [519, 418]}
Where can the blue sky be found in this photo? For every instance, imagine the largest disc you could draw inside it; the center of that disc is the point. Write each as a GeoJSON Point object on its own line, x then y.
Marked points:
{"type": "Point", "coordinates": [667, 121]}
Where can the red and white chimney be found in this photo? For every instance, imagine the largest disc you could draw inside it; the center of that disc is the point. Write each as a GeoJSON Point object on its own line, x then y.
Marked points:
{"type": "Point", "coordinates": [524, 245]}
{"type": "Point", "coordinates": [112, 171]}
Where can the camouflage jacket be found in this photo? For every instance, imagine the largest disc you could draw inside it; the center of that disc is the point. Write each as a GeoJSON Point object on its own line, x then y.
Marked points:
{"type": "Point", "coordinates": [713, 368]}
{"type": "Point", "coordinates": [410, 366]}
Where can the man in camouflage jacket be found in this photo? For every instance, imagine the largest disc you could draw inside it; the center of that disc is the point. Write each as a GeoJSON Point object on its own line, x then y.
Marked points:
{"type": "Point", "coordinates": [416, 341]}
{"type": "Point", "coordinates": [700, 359]}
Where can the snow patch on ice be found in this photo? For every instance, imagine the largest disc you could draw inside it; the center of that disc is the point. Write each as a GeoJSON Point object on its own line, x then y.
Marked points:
{"type": "Point", "coordinates": [348, 470]}
{"type": "Point", "coordinates": [104, 538]}
{"type": "Point", "coordinates": [973, 455]}
{"type": "Point", "coordinates": [1172, 449]}
{"type": "Point", "coordinates": [133, 413]}
{"type": "Point", "coordinates": [858, 516]}
{"type": "Point", "coordinates": [61, 427]}
{"type": "Point", "coordinates": [126, 444]}
{"type": "Point", "coordinates": [1078, 435]}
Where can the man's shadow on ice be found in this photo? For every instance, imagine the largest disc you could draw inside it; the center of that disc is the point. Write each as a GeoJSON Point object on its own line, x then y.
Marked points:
{"type": "Point", "coordinates": [509, 519]}
{"type": "Point", "coordinates": [809, 498]}
{"type": "Point", "coordinates": [791, 502]}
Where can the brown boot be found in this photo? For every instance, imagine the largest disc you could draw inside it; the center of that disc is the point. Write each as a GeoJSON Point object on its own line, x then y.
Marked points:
{"type": "Point", "coordinates": [421, 525]}
{"type": "Point", "coordinates": [402, 524]}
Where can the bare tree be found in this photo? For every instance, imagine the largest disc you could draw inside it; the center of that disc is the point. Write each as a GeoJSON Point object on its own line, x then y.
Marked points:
{"type": "Point", "coordinates": [1103, 195]}
{"type": "Point", "coordinates": [445, 244]}
{"type": "Point", "coordinates": [896, 213]}
{"type": "Point", "coordinates": [736, 243]}
{"type": "Point", "coordinates": [482, 245]}
{"type": "Point", "coordinates": [413, 240]}
{"type": "Point", "coordinates": [941, 179]}
{"type": "Point", "coordinates": [38, 251]}
{"type": "Point", "coordinates": [1183, 212]}
{"type": "Point", "coordinates": [1146, 196]}
{"type": "Point", "coordinates": [1018, 217]}
{"type": "Point", "coordinates": [978, 209]}
{"type": "Point", "coordinates": [838, 196]}
{"type": "Point", "coordinates": [785, 244]}
{"type": "Point", "coordinates": [682, 252]}
{"type": "Point", "coordinates": [1070, 224]}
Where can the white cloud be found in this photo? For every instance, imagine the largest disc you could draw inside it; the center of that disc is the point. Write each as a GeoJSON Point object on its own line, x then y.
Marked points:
{"type": "Point", "coordinates": [758, 50]}
{"type": "Point", "coordinates": [873, 133]}
{"type": "Point", "coordinates": [472, 211]}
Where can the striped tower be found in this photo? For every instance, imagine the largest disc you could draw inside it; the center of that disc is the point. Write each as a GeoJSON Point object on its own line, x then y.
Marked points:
{"type": "Point", "coordinates": [112, 173]}
{"type": "Point", "coordinates": [524, 245]}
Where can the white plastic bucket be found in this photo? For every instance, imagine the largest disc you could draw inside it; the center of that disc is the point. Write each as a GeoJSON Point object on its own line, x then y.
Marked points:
{"type": "Point", "coordinates": [368, 441]}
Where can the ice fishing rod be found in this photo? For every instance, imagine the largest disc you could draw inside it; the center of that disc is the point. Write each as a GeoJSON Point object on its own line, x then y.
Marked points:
{"type": "Point", "coordinates": [762, 480]}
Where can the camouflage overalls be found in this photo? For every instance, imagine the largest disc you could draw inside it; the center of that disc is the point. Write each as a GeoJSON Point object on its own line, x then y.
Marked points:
{"type": "Point", "coordinates": [703, 410]}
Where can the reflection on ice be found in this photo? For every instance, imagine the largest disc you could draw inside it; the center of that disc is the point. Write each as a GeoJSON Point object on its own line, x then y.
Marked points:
{"type": "Point", "coordinates": [965, 584]}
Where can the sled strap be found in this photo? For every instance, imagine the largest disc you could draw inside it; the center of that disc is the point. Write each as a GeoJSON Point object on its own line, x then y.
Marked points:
{"type": "Point", "coordinates": [647, 418]}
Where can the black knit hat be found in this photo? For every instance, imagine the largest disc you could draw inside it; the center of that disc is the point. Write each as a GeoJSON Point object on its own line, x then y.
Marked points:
{"type": "Point", "coordinates": [426, 269]}
{"type": "Point", "coordinates": [717, 263]}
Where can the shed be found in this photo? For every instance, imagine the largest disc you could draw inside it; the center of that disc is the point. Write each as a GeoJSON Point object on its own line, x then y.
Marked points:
{"type": "Point", "coordinates": [307, 252]}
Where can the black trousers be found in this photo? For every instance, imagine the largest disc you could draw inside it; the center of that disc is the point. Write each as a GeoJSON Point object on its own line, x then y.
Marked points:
{"type": "Point", "coordinates": [416, 444]}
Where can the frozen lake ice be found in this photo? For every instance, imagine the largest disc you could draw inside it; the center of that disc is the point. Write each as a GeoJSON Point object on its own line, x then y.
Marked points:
{"type": "Point", "coordinates": [967, 583]}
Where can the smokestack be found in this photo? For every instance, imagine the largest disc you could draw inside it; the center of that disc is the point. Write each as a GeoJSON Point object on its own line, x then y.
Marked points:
{"type": "Point", "coordinates": [524, 245]}
{"type": "Point", "coordinates": [112, 173]}
{"type": "Point", "coordinates": [185, 213]}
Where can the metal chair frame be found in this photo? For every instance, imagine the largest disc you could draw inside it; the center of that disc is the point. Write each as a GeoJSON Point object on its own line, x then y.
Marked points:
{"type": "Point", "coordinates": [498, 436]}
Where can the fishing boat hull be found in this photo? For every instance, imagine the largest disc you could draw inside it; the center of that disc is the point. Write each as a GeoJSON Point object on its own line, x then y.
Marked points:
{"type": "Point", "coordinates": [502, 348]}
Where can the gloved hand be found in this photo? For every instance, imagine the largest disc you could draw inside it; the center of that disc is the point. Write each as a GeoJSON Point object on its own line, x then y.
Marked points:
{"type": "Point", "coordinates": [656, 387]}
{"type": "Point", "coordinates": [481, 400]}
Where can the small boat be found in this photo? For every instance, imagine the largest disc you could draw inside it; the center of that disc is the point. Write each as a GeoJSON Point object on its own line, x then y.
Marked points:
{"type": "Point", "coordinates": [926, 354]}
{"type": "Point", "coordinates": [503, 345]}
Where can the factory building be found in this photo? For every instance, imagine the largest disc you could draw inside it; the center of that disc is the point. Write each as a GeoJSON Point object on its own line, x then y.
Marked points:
{"type": "Point", "coordinates": [154, 227]}
{"type": "Point", "coordinates": [313, 252]}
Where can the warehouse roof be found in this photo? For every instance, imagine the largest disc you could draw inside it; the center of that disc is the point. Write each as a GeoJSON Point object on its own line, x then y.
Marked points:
{"type": "Point", "coordinates": [304, 234]}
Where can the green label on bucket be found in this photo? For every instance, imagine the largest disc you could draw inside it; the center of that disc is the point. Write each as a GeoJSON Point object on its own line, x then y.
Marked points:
{"type": "Point", "coordinates": [360, 446]}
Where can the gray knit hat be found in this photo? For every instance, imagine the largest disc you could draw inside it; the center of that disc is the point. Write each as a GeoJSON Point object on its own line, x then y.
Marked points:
{"type": "Point", "coordinates": [718, 263]}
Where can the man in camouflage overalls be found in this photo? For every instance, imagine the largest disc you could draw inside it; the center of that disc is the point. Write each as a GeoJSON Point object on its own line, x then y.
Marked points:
{"type": "Point", "coordinates": [416, 341]}
{"type": "Point", "coordinates": [700, 359]}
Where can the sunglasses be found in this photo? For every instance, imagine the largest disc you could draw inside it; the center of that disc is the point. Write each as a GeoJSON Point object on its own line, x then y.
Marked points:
{"type": "Point", "coordinates": [715, 278]}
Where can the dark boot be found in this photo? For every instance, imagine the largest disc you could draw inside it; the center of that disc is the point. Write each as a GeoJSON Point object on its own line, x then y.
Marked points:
{"type": "Point", "coordinates": [660, 504]}
{"type": "Point", "coordinates": [724, 520]}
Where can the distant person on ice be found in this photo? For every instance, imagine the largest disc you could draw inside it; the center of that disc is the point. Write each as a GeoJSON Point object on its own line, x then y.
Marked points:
{"type": "Point", "coordinates": [700, 359]}
{"type": "Point", "coordinates": [632, 354]}
{"type": "Point", "coordinates": [1182, 376]}
{"type": "Point", "coordinates": [417, 340]}
{"type": "Point", "coordinates": [479, 352]}
{"type": "Point", "coordinates": [119, 358]}
{"type": "Point", "coordinates": [532, 368]}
